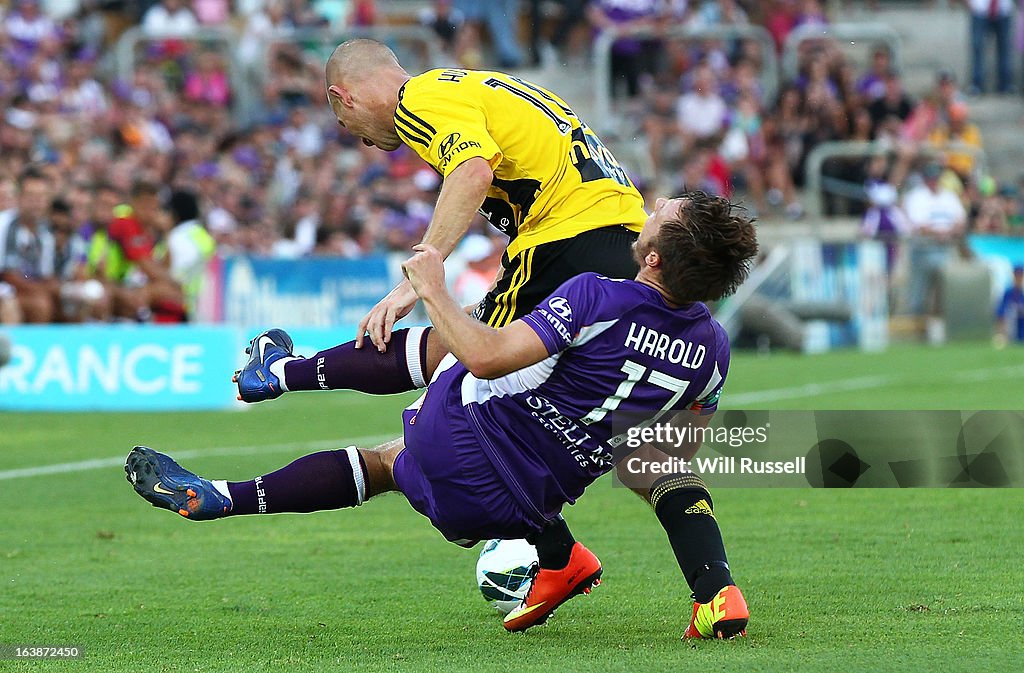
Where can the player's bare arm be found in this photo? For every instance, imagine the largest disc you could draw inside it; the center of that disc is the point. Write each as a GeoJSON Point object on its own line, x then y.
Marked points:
{"type": "Point", "coordinates": [462, 193]}
{"type": "Point", "coordinates": [486, 352]}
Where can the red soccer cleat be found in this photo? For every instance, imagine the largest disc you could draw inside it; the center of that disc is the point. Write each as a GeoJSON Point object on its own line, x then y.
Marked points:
{"type": "Point", "coordinates": [551, 588]}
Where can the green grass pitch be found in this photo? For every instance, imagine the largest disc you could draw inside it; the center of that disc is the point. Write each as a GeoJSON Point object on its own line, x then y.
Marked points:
{"type": "Point", "coordinates": [886, 580]}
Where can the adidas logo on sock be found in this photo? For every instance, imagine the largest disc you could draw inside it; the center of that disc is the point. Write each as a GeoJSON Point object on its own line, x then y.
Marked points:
{"type": "Point", "coordinates": [700, 507]}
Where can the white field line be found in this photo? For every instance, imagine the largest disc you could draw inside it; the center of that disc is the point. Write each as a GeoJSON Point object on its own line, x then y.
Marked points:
{"type": "Point", "coordinates": [868, 382]}
{"type": "Point", "coordinates": [808, 390]}
{"type": "Point", "coordinates": [104, 463]}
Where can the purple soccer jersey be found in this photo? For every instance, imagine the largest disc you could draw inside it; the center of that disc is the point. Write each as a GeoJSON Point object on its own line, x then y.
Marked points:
{"type": "Point", "coordinates": [500, 457]}
{"type": "Point", "coordinates": [616, 349]}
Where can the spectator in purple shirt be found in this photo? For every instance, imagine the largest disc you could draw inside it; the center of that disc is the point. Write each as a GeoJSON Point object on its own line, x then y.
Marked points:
{"type": "Point", "coordinates": [631, 56]}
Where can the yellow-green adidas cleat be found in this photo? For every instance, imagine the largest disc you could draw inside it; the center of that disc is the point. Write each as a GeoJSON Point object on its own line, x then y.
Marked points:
{"type": "Point", "coordinates": [724, 616]}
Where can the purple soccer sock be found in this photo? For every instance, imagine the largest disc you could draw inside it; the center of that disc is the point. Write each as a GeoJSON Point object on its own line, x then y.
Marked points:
{"type": "Point", "coordinates": [398, 369]}
{"type": "Point", "coordinates": [318, 481]}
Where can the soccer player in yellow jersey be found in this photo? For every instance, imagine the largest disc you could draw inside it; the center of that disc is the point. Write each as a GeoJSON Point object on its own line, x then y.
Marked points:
{"type": "Point", "coordinates": [507, 148]}
{"type": "Point", "coordinates": [519, 155]}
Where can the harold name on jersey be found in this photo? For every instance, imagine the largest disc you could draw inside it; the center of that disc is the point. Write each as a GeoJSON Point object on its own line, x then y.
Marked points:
{"type": "Point", "coordinates": [651, 342]}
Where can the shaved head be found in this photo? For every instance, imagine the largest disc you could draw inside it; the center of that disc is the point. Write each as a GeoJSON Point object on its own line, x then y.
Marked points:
{"type": "Point", "coordinates": [363, 82]}
{"type": "Point", "coordinates": [358, 60]}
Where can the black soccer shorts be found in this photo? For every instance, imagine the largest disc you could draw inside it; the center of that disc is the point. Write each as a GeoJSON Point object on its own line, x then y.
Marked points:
{"type": "Point", "coordinates": [537, 272]}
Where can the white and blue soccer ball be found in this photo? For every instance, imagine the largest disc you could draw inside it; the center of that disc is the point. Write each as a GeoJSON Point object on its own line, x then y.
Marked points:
{"type": "Point", "coordinates": [504, 572]}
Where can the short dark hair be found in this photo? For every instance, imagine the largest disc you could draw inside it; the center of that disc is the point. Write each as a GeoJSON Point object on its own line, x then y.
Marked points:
{"type": "Point", "coordinates": [59, 205]}
{"type": "Point", "coordinates": [706, 249]}
{"type": "Point", "coordinates": [32, 173]}
{"type": "Point", "coordinates": [184, 206]}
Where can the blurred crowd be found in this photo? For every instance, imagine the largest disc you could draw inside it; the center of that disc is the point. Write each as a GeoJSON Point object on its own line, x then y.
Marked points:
{"type": "Point", "coordinates": [114, 191]}
{"type": "Point", "coordinates": [115, 186]}
{"type": "Point", "coordinates": [912, 167]}
{"type": "Point", "coordinates": [702, 107]}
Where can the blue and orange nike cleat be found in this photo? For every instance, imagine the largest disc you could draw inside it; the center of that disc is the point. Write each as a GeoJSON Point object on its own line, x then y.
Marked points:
{"type": "Point", "coordinates": [255, 382]}
{"type": "Point", "coordinates": [724, 616]}
{"type": "Point", "coordinates": [551, 588]}
{"type": "Point", "coordinates": [165, 484]}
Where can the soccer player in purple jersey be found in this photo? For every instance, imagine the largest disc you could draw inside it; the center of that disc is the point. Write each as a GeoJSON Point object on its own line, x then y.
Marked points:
{"type": "Point", "coordinates": [518, 421]}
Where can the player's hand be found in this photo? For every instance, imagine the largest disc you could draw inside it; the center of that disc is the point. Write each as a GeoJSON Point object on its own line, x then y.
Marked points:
{"type": "Point", "coordinates": [425, 270]}
{"type": "Point", "coordinates": [382, 317]}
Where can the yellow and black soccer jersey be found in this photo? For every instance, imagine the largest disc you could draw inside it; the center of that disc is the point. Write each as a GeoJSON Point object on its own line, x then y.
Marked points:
{"type": "Point", "coordinates": [553, 178]}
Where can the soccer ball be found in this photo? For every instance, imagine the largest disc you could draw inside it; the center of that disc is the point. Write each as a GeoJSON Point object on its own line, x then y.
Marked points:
{"type": "Point", "coordinates": [504, 572]}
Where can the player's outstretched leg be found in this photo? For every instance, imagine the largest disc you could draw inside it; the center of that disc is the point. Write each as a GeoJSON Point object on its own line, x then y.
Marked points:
{"type": "Point", "coordinates": [314, 482]}
{"type": "Point", "coordinates": [407, 364]}
{"type": "Point", "coordinates": [566, 569]}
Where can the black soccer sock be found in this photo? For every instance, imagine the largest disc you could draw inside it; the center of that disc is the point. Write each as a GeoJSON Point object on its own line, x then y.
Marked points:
{"type": "Point", "coordinates": [318, 481]}
{"type": "Point", "coordinates": [554, 544]}
{"type": "Point", "coordinates": [684, 507]}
